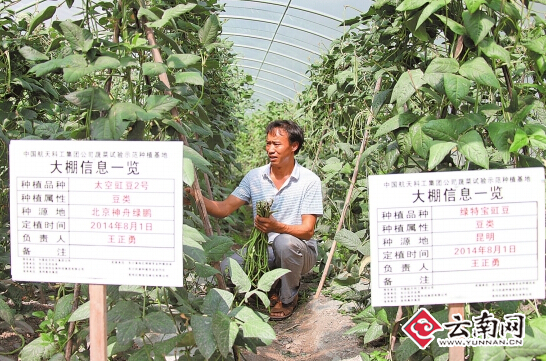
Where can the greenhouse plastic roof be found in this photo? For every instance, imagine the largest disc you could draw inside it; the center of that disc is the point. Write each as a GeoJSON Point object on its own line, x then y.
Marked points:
{"type": "Point", "coordinates": [277, 41]}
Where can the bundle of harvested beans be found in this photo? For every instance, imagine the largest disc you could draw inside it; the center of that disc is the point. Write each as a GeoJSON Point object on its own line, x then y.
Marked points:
{"type": "Point", "coordinates": [256, 257]}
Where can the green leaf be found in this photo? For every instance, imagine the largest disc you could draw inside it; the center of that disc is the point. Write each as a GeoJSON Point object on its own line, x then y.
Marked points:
{"type": "Point", "coordinates": [238, 276]}
{"type": "Point", "coordinates": [419, 32]}
{"type": "Point", "coordinates": [130, 329]}
{"type": "Point", "coordinates": [348, 239]}
{"type": "Point", "coordinates": [198, 161]}
{"type": "Point", "coordinates": [478, 25]}
{"type": "Point", "coordinates": [182, 61]}
{"type": "Point", "coordinates": [382, 318]}
{"type": "Point", "coordinates": [508, 307]}
{"type": "Point", "coordinates": [537, 45]}
{"type": "Point", "coordinates": [160, 103]}
{"type": "Point", "coordinates": [107, 129]}
{"type": "Point", "coordinates": [150, 15]}
{"type": "Point", "coordinates": [411, 5]}
{"type": "Point", "coordinates": [501, 134]}
{"type": "Point", "coordinates": [443, 65]}
{"type": "Point", "coordinates": [217, 300]}
{"type": "Point", "coordinates": [224, 331]}
{"type": "Point", "coordinates": [471, 146]}
{"type": "Point", "coordinates": [268, 279]}
{"type": "Point", "coordinates": [534, 343]}
{"type": "Point", "coordinates": [217, 247]}
{"type": "Point", "coordinates": [246, 314]}
{"type": "Point", "coordinates": [38, 350]}
{"type": "Point", "coordinates": [204, 337]}
{"type": "Point", "coordinates": [494, 51]}
{"type": "Point", "coordinates": [489, 353]}
{"type": "Point", "coordinates": [260, 330]}
{"type": "Point", "coordinates": [534, 129]}
{"type": "Point", "coordinates": [7, 313]}
{"type": "Point", "coordinates": [63, 306]}
{"type": "Point", "coordinates": [42, 16]}
{"type": "Point", "coordinates": [72, 75]}
{"type": "Point", "coordinates": [82, 313]}
{"type": "Point", "coordinates": [106, 62]}
{"type": "Point", "coordinates": [441, 129]}
{"type": "Point", "coordinates": [94, 98]}
{"type": "Point", "coordinates": [190, 233]}
{"type": "Point", "coordinates": [123, 310]}
{"type": "Point", "coordinates": [164, 348]}
{"type": "Point", "coordinates": [191, 246]}
{"type": "Point", "coordinates": [478, 70]}
{"type": "Point", "coordinates": [159, 322]}
{"type": "Point", "coordinates": [210, 30]}
{"type": "Point", "coordinates": [171, 14]}
{"type": "Point", "coordinates": [399, 120]}
{"type": "Point", "coordinates": [408, 83]}
{"type": "Point", "coordinates": [189, 77]}
{"type": "Point", "coordinates": [78, 38]}
{"type": "Point", "coordinates": [520, 140]}
{"type": "Point", "coordinates": [407, 348]}
{"type": "Point", "coordinates": [419, 140]}
{"type": "Point", "coordinates": [473, 5]}
{"type": "Point", "coordinates": [379, 99]}
{"type": "Point", "coordinates": [374, 332]}
{"type": "Point", "coordinates": [332, 89]}
{"type": "Point", "coordinates": [188, 172]}
{"type": "Point", "coordinates": [333, 165]}
{"type": "Point", "coordinates": [153, 69]}
{"type": "Point", "coordinates": [204, 270]}
{"type": "Point", "coordinates": [75, 60]}
{"type": "Point", "coordinates": [32, 54]}
{"type": "Point", "coordinates": [438, 151]}
{"type": "Point", "coordinates": [176, 125]}
{"type": "Point", "coordinates": [537, 140]}
{"type": "Point", "coordinates": [452, 25]}
{"type": "Point", "coordinates": [456, 88]}
{"type": "Point", "coordinates": [506, 7]}
{"type": "Point", "coordinates": [431, 9]}
{"type": "Point", "coordinates": [525, 161]}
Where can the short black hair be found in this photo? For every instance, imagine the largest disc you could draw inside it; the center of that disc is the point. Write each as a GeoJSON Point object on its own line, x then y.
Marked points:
{"type": "Point", "coordinates": [295, 133]}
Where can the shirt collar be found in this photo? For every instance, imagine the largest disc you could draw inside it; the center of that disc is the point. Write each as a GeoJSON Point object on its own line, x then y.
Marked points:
{"type": "Point", "coordinates": [266, 171]}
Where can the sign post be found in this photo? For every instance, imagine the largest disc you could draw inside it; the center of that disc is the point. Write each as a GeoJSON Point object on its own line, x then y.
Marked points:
{"type": "Point", "coordinates": [97, 213]}
{"type": "Point", "coordinates": [435, 234]}
{"type": "Point", "coordinates": [455, 353]}
{"type": "Point", "coordinates": [97, 323]}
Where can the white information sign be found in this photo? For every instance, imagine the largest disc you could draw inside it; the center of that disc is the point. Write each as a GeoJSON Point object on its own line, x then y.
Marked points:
{"type": "Point", "coordinates": [96, 212]}
{"type": "Point", "coordinates": [457, 237]}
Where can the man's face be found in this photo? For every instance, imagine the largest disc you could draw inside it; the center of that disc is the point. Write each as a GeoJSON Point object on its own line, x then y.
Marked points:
{"type": "Point", "coordinates": [279, 150]}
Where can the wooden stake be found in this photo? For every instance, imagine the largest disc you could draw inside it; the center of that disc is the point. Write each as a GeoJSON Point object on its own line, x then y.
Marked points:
{"type": "Point", "coordinates": [456, 353]}
{"type": "Point", "coordinates": [97, 322]}
{"type": "Point", "coordinates": [349, 194]}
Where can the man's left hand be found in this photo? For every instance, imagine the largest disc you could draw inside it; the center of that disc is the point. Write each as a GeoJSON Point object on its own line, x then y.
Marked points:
{"type": "Point", "coordinates": [266, 225]}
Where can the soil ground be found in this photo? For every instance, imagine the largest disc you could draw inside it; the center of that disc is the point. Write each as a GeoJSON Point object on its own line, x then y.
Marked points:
{"type": "Point", "coordinates": [315, 332]}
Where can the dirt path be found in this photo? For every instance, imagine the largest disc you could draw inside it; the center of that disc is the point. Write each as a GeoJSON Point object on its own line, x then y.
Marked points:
{"type": "Point", "coordinates": [315, 332]}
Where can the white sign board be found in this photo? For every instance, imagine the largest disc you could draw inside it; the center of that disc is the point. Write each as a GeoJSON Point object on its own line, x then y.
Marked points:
{"type": "Point", "coordinates": [457, 237]}
{"type": "Point", "coordinates": [96, 212]}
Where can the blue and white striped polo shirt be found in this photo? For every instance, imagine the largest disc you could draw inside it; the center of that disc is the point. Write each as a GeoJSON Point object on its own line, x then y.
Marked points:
{"type": "Point", "coordinates": [301, 194]}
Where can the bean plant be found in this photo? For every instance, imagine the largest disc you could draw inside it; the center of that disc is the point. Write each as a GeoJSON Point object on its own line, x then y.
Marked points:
{"type": "Point", "coordinates": [124, 71]}
{"type": "Point", "coordinates": [436, 86]}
